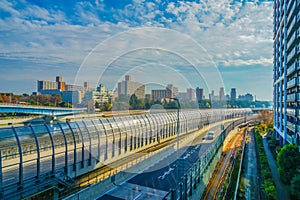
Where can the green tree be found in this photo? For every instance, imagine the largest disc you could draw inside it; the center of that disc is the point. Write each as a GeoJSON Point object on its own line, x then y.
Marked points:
{"type": "Point", "coordinates": [148, 104]}
{"type": "Point", "coordinates": [207, 105]}
{"type": "Point", "coordinates": [55, 99]}
{"type": "Point", "coordinates": [107, 106]}
{"type": "Point", "coordinates": [288, 161]}
{"type": "Point", "coordinates": [97, 104]}
{"type": "Point", "coordinates": [295, 187]}
{"type": "Point", "coordinates": [133, 102]}
{"type": "Point", "coordinates": [65, 105]}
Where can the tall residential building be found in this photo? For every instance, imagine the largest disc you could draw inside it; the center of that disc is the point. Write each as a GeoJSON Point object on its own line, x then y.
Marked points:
{"type": "Point", "coordinates": [286, 70]}
{"type": "Point", "coordinates": [129, 87]}
{"type": "Point", "coordinates": [158, 94]}
{"type": "Point", "coordinates": [86, 85]}
{"type": "Point", "coordinates": [46, 85]}
{"type": "Point", "coordinates": [199, 94]}
{"type": "Point", "coordinates": [212, 95]}
{"type": "Point", "coordinates": [221, 94]}
{"type": "Point", "coordinates": [70, 87]}
{"type": "Point", "coordinates": [190, 94]}
{"type": "Point", "coordinates": [171, 91]}
{"type": "Point", "coordinates": [50, 85]}
{"type": "Point", "coordinates": [60, 83]}
{"type": "Point", "coordinates": [233, 94]}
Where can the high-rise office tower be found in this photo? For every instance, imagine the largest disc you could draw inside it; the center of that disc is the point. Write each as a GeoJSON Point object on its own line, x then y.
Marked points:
{"type": "Point", "coordinates": [86, 85]}
{"type": "Point", "coordinates": [233, 94]}
{"type": "Point", "coordinates": [199, 93]}
{"type": "Point", "coordinates": [171, 91]}
{"type": "Point", "coordinates": [286, 70]}
{"type": "Point", "coordinates": [221, 94]}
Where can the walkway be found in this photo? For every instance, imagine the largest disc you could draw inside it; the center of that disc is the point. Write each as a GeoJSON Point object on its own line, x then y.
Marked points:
{"type": "Point", "coordinates": [249, 180]}
{"type": "Point", "coordinates": [281, 191]}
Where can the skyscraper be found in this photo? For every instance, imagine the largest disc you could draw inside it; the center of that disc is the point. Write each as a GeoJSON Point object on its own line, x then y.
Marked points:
{"type": "Point", "coordinates": [86, 85]}
{"type": "Point", "coordinates": [191, 94]}
{"type": "Point", "coordinates": [199, 93]}
{"type": "Point", "coordinates": [221, 94]}
{"type": "Point", "coordinates": [233, 94]}
{"type": "Point", "coordinates": [129, 87]}
{"type": "Point", "coordinates": [286, 70]}
{"type": "Point", "coordinates": [171, 91]}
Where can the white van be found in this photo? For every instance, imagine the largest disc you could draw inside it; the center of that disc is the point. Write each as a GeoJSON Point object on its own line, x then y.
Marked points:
{"type": "Point", "coordinates": [210, 135]}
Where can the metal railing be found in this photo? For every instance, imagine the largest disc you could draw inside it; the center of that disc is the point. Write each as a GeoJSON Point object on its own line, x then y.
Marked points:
{"type": "Point", "coordinates": [192, 177]}
{"type": "Point", "coordinates": [38, 107]}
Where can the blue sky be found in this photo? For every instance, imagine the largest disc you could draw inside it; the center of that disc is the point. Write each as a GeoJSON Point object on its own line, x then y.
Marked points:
{"type": "Point", "coordinates": [206, 43]}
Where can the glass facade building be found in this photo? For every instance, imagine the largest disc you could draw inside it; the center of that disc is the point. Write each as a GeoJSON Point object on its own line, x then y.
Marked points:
{"type": "Point", "coordinates": [286, 70]}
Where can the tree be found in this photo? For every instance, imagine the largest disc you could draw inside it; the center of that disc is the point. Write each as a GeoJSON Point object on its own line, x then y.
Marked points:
{"type": "Point", "coordinates": [6, 98]}
{"type": "Point", "coordinates": [266, 116]}
{"type": "Point", "coordinates": [133, 102]}
{"type": "Point", "coordinates": [97, 104]}
{"type": "Point", "coordinates": [207, 105]}
{"type": "Point", "coordinates": [55, 99]}
{"type": "Point", "coordinates": [65, 105]}
{"type": "Point", "coordinates": [295, 187]}
{"type": "Point", "coordinates": [107, 106]}
{"type": "Point", "coordinates": [288, 161]}
{"type": "Point", "coordinates": [148, 104]}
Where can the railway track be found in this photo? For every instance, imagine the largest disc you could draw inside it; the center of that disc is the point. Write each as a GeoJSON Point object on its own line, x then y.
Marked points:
{"type": "Point", "coordinates": [224, 167]}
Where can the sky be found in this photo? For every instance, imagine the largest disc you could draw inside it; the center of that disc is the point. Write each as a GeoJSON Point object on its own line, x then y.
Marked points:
{"type": "Point", "coordinates": [203, 43]}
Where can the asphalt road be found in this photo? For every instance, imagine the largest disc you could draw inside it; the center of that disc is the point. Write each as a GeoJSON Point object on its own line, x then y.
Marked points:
{"type": "Point", "coordinates": [166, 173]}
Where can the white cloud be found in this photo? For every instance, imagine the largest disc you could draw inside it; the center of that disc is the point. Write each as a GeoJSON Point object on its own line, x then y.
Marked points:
{"type": "Point", "coordinates": [233, 33]}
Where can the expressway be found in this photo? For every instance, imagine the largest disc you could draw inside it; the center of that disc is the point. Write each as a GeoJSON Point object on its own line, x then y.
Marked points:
{"type": "Point", "coordinates": [160, 177]}
{"type": "Point", "coordinates": [65, 151]}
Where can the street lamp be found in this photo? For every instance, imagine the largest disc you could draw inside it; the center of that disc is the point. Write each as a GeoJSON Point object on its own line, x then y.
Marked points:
{"type": "Point", "coordinates": [178, 110]}
{"type": "Point", "coordinates": [177, 133]}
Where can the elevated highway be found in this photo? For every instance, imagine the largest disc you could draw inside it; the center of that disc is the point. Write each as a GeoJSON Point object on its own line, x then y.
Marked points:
{"type": "Point", "coordinates": [36, 157]}
{"type": "Point", "coordinates": [39, 110]}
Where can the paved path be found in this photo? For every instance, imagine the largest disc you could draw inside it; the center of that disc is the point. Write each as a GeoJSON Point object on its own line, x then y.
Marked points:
{"type": "Point", "coordinates": [281, 191]}
{"type": "Point", "coordinates": [249, 177]}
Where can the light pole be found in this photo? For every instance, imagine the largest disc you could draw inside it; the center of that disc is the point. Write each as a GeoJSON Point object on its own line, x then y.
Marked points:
{"type": "Point", "coordinates": [178, 121]}
{"type": "Point", "coordinates": [177, 141]}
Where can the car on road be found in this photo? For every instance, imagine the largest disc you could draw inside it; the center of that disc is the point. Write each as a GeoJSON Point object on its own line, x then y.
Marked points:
{"type": "Point", "coordinates": [210, 135]}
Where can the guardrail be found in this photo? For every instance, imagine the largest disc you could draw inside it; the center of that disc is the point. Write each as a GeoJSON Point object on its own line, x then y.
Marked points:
{"type": "Point", "coordinates": [38, 107]}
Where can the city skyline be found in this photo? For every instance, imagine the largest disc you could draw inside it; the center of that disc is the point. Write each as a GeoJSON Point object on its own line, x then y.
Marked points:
{"type": "Point", "coordinates": [128, 87]}
{"type": "Point", "coordinates": [60, 42]}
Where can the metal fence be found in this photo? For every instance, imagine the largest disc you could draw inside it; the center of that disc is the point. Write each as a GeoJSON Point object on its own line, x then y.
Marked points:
{"type": "Point", "coordinates": [193, 176]}
{"type": "Point", "coordinates": [36, 152]}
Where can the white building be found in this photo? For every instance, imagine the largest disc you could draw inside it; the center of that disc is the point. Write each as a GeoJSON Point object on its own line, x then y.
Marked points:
{"type": "Point", "coordinates": [129, 87]}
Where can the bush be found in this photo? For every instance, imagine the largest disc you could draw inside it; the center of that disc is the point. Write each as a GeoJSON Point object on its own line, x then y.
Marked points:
{"type": "Point", "coordinates": [295, 187]}
{"type": "Point", "coordinates": [288, 161]}
{"type": "Point", "coordinates": [268, 183]}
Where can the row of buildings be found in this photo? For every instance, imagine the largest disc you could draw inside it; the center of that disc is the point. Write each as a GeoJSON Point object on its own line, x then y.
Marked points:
{"type": "Point", "coordinates": [74, 94]}
{"type": "Point", "coordinates": [87, 96]}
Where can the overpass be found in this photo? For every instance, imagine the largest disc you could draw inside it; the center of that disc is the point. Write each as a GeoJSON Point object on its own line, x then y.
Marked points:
{"type": "Point", "coordinates": [256, 110]}
{"type": "Point", "coordinates": [43, 158]}
{"type": "Point", "coordinates": [39, 110]}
